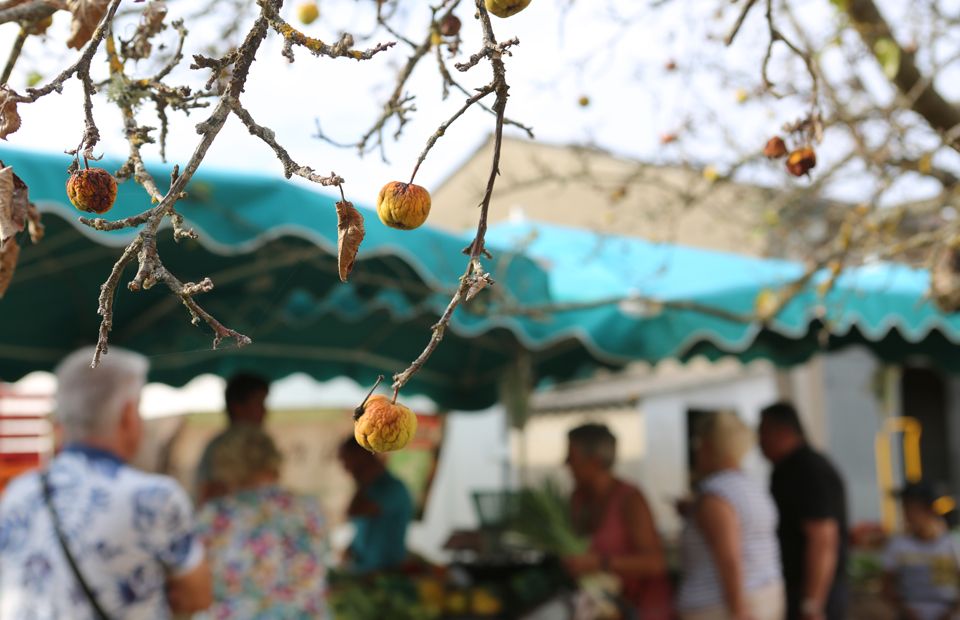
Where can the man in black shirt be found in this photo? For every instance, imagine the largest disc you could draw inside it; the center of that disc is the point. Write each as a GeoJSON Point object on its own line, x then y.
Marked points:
{"type": "Point", "coordinates": [813, 518]}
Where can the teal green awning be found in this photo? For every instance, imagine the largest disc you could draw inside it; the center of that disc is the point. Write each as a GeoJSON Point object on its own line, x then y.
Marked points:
{"type": "Point", "coordinates": [883, 306]}
{"type": "Point", "coordinates": [269, 245]}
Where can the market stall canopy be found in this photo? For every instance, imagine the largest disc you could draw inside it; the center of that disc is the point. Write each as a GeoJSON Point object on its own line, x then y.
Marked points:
{"type": "Point", "coordinates": [269, 245]}
{"type": "Point", "coordinates": [649, 301]}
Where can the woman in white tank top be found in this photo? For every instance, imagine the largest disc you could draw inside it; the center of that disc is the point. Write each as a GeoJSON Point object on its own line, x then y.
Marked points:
{"type": "Point", "coordinates": [730, 553]}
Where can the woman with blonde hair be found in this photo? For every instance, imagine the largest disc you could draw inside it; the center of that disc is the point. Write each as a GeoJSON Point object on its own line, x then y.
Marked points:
{"type": "Point", "coordinates": [266, 546]}
{"type": "Point", "coordinates": [730, 553]}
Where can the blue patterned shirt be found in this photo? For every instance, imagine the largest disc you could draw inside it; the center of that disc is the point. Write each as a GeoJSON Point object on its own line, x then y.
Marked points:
{"type": "Point", "coordinates": [127, 530]}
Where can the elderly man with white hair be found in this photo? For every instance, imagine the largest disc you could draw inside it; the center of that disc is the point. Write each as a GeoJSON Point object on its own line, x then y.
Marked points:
{"type": "Point", "coordinates": [90, 536]}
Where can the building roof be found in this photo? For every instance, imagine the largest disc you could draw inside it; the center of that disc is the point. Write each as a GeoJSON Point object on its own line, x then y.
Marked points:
{"type": "Point", "coordinates": [589, 188]}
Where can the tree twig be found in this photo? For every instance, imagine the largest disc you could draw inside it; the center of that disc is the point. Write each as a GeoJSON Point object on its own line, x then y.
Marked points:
{"type": "Point", "coordinates": [290, 167]}
{"type": "Point", "coordinates": [15, 52]}
{"type": "Point", "coordinates": [474, 278]}
{"type": "Point", "coordinates": [736, 26]}
{"type": "Point", "coordinates": [358, 412]}
{"type": "Point", "coordinates": [483, 92]}
{"type": "Point", "coordinates": [397, 104]}
{"type": "Point", "coordinates": [30, 12]}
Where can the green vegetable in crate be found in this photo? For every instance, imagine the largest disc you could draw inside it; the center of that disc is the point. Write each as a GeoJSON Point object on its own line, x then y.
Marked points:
{"type": "Point", "coordinates": [543, 519]}
{"type": "Point", "coordinates": [389, 597]}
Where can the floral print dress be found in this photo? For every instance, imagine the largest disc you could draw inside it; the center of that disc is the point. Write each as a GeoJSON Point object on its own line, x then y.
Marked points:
{"type": "Point", "coordinates": [266, 548]}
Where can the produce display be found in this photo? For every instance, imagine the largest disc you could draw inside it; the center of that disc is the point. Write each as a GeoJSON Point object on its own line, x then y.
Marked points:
{"type": "Point", "coordinates": [393, 597]}
{"type": "Point", "coordinates": [505, 592]}
{"type": "Point", "coordinates": [543, 519]}
{"type": "Point", "coordinates": [514, 566]}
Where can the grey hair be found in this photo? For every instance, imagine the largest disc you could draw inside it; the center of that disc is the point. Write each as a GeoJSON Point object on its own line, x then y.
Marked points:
{"type": "Point", "coordinates": [596, 441]}
{"type": "Point", "coordinates": [90, 401]}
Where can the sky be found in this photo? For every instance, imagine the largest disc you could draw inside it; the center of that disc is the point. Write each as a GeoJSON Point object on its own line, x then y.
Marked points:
{"type": "Point", "coordinates": [567, 50]}
{"type": "Point", "coordinates": [615, 52]}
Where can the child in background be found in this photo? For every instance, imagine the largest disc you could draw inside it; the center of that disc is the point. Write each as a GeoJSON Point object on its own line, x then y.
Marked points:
{"type": "Point", "coordinates": [922, 566]}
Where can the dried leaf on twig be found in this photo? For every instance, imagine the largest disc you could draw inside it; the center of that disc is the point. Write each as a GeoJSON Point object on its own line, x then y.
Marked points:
{"type": "Point", "coordinates": [476, 287]}
{"type": "Point", "coordinates": [86, 17]}
{"type": "Point", "coordinates": [34, 225]}
{"type": "Point", "coordinates": [349, 236]}
{"type": "Point", "coordinates": [8, 263]}
{"type": "Point", "coordinates": [766, 305]}
{"type": "Point", "coordinates": [11, 218]}
{"type": "Point", "coordinates": [151, 23]}
{"type": "Point", "coordinates": [153, 15]}
{"type": "Point", "coordinates": [9, 117]}
{"type": "Point", "coordinates": [945, 280]}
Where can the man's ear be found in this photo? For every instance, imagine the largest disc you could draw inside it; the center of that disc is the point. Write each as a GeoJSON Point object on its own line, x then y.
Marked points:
{"type": "Point", "coordinates": [131, 410]}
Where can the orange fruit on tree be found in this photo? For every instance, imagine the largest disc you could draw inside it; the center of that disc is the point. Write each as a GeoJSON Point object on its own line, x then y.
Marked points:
{"type": "Point", "coordinates": [384, 426]}
{"type": "Point", "coordinates": [506, 8]}
{"type": "Point", "coordinates": [403, 205]}
{"type": "Point", "coordinates": [801, 161]}
{"type": "Point", "coordinates": [92, 190]}
{"type": "Point", "coordinates": [308, 12]}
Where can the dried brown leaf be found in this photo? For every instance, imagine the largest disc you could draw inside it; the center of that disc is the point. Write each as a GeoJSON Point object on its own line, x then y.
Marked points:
{"type": "Point", "coordinates": [34, 225]}
{"type": "Point", "coordinates": [11, 219]}
{"type": "Point", "coordinates": [151, 23]}
{"type": "Point", "coordinates": [153, 15]}
{"type": "Point", "coordinates": [945, 280]}
{"type": "Point", "coordinates": [15, 207]}
{"type": "Point", "coordinates": [8, 263]}
{"type": "Point", "coordinates": [9, 117]}
{"type": "Point", "coordinates": [86, 17]}
{"type": "Point", "coordinates": [9, 4]}
{"type": "Point", "coordinates": [476, 287]}
{"type": "Point", "coordinates": [349, 236]}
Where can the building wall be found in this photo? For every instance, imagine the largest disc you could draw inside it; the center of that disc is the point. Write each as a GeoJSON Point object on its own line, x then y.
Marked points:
{"type": "Point", "coordinates": [953, 427]}
{"type": "Point", "coordinates": [540, 449]}
{"type": "Point", "coordinates": [854, 415]}
{"type": "Point", "coordinates": [594, 190]}
{"type": "Point", "coordinates": [474, 457]}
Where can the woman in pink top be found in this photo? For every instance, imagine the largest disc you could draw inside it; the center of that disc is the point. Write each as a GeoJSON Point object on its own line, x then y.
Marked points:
{"type": "Point", "coordinates": [615, 514]}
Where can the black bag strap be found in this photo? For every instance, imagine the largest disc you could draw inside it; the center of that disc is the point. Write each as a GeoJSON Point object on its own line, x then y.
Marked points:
{"type": "Point", "coordinates": [44, 480]}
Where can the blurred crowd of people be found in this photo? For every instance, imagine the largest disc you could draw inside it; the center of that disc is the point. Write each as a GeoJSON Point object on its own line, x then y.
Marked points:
{"type": "Point", "coordinates": [749, 552]}
{"type": "Point", "coordinates": [91, 537]}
